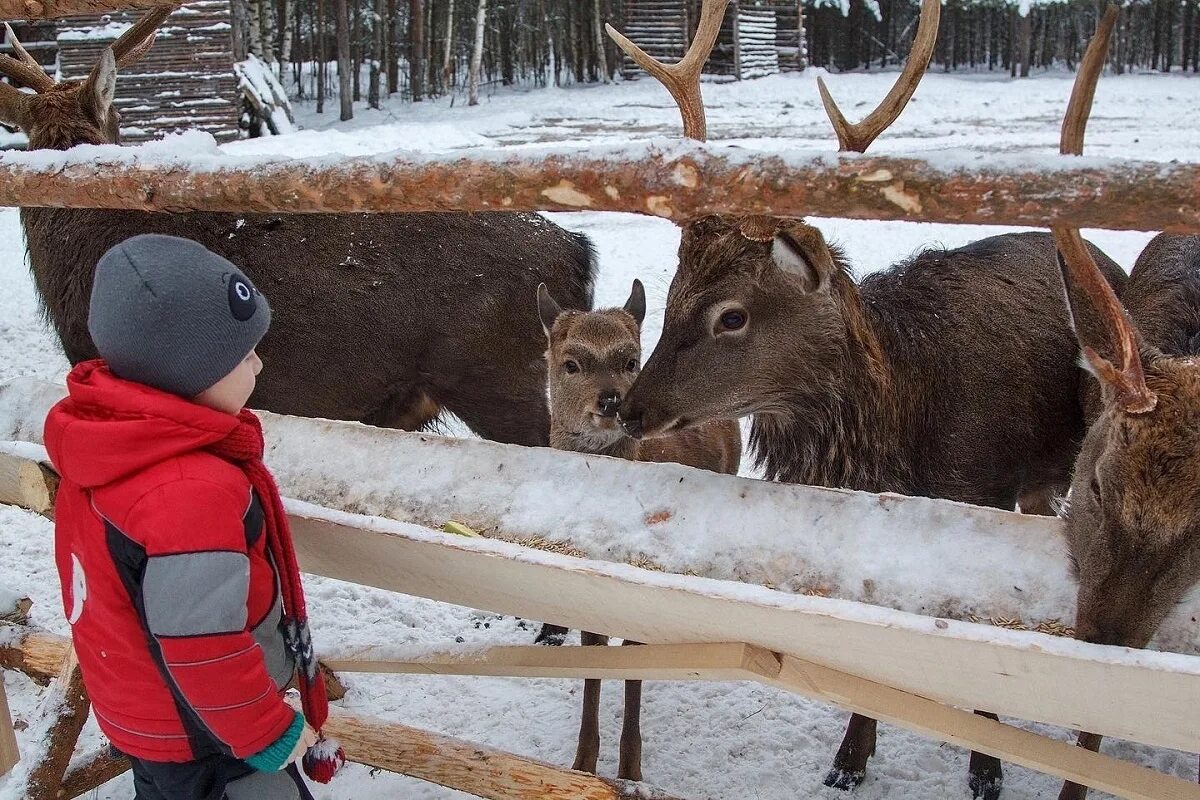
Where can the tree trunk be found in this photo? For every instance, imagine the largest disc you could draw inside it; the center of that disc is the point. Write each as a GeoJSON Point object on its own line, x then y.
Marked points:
{"type": "Point", "coordinates": [320, 37]}
{"type": "Point", "coordinates": [342, 26]}
{"type": "Point", "coordinates": [289, 29]}
{"type": "Point", "coordinates": [393, 34]}
{"type": "Point", "coordinates": [239, 24]}
{"type": "Point", "coordinates": [1025, 41]}
{"type": "Point", "coordinates": [477, 55]}
{"type": "Point", "coordinates": [448, 50]}
{"type": "Point", "coordinates": [256, 31]}
{"type": "Point", "coordinates": [267, 9]}
{"type": "Point", "coordinates": [416, 47]}
{"type": "Point", "coordinates": [377, 26]}
{"type": "Point", "coordinates": [356, 50]}
{"type": "Point", "coordinates": [598, 32]}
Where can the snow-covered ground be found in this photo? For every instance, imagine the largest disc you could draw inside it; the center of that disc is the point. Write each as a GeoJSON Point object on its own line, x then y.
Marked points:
{"type": "Point", "coordinates": [702, 740]}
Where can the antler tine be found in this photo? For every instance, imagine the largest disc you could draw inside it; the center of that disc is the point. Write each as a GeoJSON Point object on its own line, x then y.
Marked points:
{"type": "Point", "coordinates": [858, 137]}
{"type": "Point", "coordinates": [24, 69]}
{"type": "Point", "coordinates": [1078, 266]}
{"type": "Point", "coordinates": [137, 41]}
{"type": "Point", "coordinates": [682, 79]}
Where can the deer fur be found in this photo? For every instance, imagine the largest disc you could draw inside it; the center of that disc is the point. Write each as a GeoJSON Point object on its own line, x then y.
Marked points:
{"type": "Point", "coordinates": [387, 319]}
{"type": "Point", "coordinates": [1133, 520]}
{"type": "Point", "coordinates": [592, 360]}
{"type": "Point", "coordinates": [950, 375]}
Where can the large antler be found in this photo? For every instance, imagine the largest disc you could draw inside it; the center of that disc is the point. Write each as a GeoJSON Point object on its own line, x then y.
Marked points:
{"type": "Point", "coordinates": [23, 68]}
{"type": "Point", "coordinates": [137, 41]}
{"type": "Point", "coordinates": [858, 137]}
{"type": "Point", "coordinates": [1079, 269]}
{"type": "Point", "coordinates": [682, 78]}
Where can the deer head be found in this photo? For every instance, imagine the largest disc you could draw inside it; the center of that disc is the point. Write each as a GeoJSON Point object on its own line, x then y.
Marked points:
{"type": "Point", "coordinates": [731, 322]}
{"type": "Point", "coordinates": [592, 360]}
{"type": "Point", "coordinates": [58, 116]}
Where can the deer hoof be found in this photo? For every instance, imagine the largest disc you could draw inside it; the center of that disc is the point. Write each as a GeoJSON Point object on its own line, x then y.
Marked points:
{"type": "Point", "coordinates": [844, 779]}
{"type": "Point", "coordinates": [986, 787]}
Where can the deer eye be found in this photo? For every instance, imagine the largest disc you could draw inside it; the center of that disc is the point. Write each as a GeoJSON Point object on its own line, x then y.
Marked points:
{"type": "Point", "coordinates": [733, 320]}
{"type": "Point", "coordinates": [632, 365]}
{"type": "Point", "coordinates": [571, 367]}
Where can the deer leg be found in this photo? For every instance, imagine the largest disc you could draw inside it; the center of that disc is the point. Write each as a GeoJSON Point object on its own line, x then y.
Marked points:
{"type": "Point", "coordinates": [630, 766]}
{"type": "Point", "coordinates": [587, 752]}
{"type": "Point", "coordinates": [850, 763]}
{"type": "Point", "coordinates": [1074, 791]}
{"type": "Point", "coordinates": [986, 776]}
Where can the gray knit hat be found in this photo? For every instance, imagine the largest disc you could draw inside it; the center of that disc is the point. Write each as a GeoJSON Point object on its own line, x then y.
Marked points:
{"type": "Point", "coordinates": [171, 314]}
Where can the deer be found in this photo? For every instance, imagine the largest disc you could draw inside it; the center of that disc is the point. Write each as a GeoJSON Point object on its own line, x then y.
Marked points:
{"type": "Point", "coordinates": [950, 375]}
{"type": "Point", "coordinates": [385, 319]}
{"type": "Point", "coordinates": [1132, 521]}
{"type": "Point", "coordinates": [592, 359]}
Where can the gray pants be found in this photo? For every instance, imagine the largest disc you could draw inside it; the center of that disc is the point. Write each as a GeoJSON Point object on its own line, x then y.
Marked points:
{"type": "Point", "coordinates": [215, 778]}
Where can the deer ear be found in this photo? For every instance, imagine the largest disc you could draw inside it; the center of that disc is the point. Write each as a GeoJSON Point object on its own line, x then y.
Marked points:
{"type": "Point", "coordinates": [98, 90]}
{"type": "Point", "coordinates": [789, 258]}
{"type": "Point", "coordinates": [636, 304]}
{"type": "Point", "coordinates": [548, 310]}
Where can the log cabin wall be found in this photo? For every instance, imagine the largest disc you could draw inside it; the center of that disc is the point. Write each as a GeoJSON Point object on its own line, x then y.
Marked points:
{"type": "Point", "coordinates": [758, 37]}
{"type": "Point", "coordinates": [185, 82]}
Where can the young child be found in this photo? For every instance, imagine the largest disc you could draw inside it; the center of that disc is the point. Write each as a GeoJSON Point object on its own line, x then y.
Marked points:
{"type": "Point", "coordinates": [176, 562]}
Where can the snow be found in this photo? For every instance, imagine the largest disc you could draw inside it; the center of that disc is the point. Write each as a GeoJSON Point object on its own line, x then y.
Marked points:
{"type": "Point", "coordinates": [702, 740]}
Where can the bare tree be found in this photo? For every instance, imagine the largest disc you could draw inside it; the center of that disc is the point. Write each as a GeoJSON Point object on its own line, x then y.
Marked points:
{"type": "Point", "coordinates": [342, 25]}
{"type": "Point", "coordinates": [416, 43]}
{"type": "Point", "coordinates": [598, 31]}
{"type": "Point", "coordinates": [286, 39]}
{"type": "Point", "coordinates": [377, 27]}
{"type": "Point", "coordinates": [448, 51]}
{"type": "Point", "coordinates": [477, 55]}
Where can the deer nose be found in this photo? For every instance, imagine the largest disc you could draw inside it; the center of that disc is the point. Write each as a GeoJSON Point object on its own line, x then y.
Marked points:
{"type": "Point", "coordinates": [632, 426]}
{"type": "Point", "coordinates": [608, 402]}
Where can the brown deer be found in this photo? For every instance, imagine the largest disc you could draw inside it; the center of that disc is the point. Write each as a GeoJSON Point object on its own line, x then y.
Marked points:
{"type": "Point", "coordinates": [951, 375]}
{"type": "Point", "coordinates": [1133, 520]}
{"type": "Point", "coordinates": [592, 360]}
{"type": "Point", "coordinates": [387, 319]}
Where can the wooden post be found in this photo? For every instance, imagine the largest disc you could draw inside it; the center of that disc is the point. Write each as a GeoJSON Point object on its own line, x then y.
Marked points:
{"type": "Point", "coordinates": [54, 9]}
{"type": "Point", "coordinates": [66, 708]}
{"type": "Point", "coordinates": [465, 766]}
{"type": "Point", "coordinates": [9, 753]}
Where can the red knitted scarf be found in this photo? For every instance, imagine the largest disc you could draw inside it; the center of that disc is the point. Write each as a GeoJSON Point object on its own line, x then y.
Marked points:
{"type": "Point", "coordinates": [244, 447]}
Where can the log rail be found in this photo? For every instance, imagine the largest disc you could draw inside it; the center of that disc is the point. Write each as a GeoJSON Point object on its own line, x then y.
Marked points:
{"type": "Point", "coordinates": [677, 182]}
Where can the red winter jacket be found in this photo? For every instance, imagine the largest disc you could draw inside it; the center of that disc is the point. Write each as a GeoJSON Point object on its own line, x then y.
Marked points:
{"type": "Point", "coordinates": [173, 601]}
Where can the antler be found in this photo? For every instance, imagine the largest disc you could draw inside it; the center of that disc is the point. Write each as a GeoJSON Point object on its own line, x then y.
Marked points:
{"type": "Point", "coordinates": [1076, 263]}
{"type": "Point", "coordinates": [682, 78]}
{"type": "Point", "coordinates": [23, 68]}
{"type": "Point", "coordinates": [858, 137]}
{"type": "Point", "coordinates": [137, 41]}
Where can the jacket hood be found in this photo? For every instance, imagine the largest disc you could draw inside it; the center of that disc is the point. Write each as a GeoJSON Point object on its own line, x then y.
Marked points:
{"type": "Point", "coordinates": [108, 428]}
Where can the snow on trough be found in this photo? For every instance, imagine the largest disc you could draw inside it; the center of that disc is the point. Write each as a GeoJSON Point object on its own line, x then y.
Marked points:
{"type": "Point", "coordinates": [929, 557]}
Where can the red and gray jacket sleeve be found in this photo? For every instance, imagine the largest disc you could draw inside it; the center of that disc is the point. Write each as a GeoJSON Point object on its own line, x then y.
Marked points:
{"type": "Point", "coordinates": [193, 602]}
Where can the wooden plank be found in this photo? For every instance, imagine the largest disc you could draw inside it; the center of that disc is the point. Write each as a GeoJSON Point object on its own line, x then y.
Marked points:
{"type": "Point", "coordinates": [686, 180]}
{"type": "Point", "coordinates": [1053, 682]}
{"type": "Point", "coordinates": [10, 754]}
{"type": "Point", "coordinates": [65, 707]}
{"type": "Point", "coordinates": [718, 661]}
{"type": "Point", "coordinates": [94, 770]}
{"type": "Point", "coordinates": [466, 766]}
{"type": "Point", "coordinates": [1006, 742]}
{"type": "Point", "coordinates": [26, 483]}
{"type": "Point", "coordinates": [38, 654]}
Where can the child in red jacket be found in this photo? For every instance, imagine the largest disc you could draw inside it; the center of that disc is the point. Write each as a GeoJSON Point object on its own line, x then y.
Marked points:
{"type": "Point", "coordinates": [177, 569]}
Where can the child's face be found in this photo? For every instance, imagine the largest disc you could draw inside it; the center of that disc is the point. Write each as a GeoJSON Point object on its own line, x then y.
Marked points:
{"type": "Point", "coordinates": [231, 392]}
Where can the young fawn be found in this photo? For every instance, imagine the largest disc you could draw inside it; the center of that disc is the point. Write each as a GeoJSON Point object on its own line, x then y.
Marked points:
{"type": "Point", "coordinates": [592, 360]}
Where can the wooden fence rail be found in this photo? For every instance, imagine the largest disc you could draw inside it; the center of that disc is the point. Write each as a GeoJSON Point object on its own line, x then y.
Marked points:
{"type": "Point", "coordinates": [54, 9]}
{"type": "Point", "coordinates": [676, 182]}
